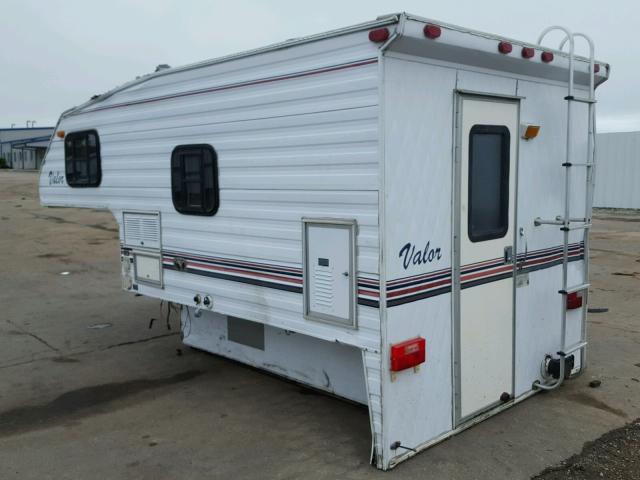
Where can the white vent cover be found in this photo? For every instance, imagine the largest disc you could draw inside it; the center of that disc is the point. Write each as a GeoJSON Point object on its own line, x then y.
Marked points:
{"type": "Point", "coordinates": [323, 292]}
{"type": "Point", "coordinates": [142, 229]}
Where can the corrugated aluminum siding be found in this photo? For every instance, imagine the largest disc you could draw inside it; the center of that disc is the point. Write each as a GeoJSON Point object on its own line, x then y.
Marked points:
{"type": "Point", "coordinates": [617, 170]}
{"type": "Point", "coordinates": [296, 133]}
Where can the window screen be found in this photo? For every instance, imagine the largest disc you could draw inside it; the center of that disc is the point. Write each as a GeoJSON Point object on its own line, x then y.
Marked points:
{"type": "Point", "coordinates": [194, 179]}
{"type": "Point", "coordinates": [488, 182]}
{"type": "Point", "coordinates": [82, 159]}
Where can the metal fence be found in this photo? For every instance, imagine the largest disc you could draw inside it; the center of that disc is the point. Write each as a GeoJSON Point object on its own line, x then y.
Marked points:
{"type": "Point", "coordinates": [618, 170]}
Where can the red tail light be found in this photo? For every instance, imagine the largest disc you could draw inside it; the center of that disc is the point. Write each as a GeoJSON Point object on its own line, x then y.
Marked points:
{"type": "Point", "coordinates": [596, 68]}
{"type": "Point", "coordinates": [528, 52]}
{"type": "Point", "coordinates": [408, 354]}
{"type": "Point", "coordinates": [505, 47]}
{"type": "Point", "coordinates": [574, 300]}
{"type": "Point", "coordinates": [547, 57]}
{"type": "Point", "coordinates": [432, 31]}
{"type": "Point", "coordinates": [379, 35]}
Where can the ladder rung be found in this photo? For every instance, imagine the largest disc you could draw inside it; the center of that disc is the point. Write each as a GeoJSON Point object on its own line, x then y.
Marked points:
{"type": "Point", "coordinates": [575, 288]}
{"type": "Point", "coordinates": [560, 218]}
{"type": "Point", "coordinates": [571, 164]}
{"type": "Point", "coordinates": [578, 99]}
{"type": "Point", "coordinates": [539, 221]}
{"type": "Point", "coordinates": [573, 348]}
{"type": "Point", "coordinates": [584, 226]}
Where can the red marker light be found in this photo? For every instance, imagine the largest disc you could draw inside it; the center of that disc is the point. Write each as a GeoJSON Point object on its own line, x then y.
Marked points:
{"type": "Point", "coordinates": [505, 47]}
{"type": "Point", "coordinates": [574, 300]}
{"type": "Point", "coordinates": [408, 354]}
{"type": "Point", "coordinates": [432, 31]}
{"type": "Point", "coordinates": [596, 68]}
{"type": "Point", "coordinates": [379, 35]}
{"type": "Point", "coordinates": [547, 57]}
{"type": "Point", "coordinates": [528, 52]}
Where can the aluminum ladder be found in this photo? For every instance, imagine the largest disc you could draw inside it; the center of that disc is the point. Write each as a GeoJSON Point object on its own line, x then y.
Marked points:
{"type": "Point", "coordinates": [566, 222]}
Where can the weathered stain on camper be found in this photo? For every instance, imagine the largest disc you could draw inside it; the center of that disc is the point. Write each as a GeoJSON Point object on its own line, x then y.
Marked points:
{"type": "Point", "coordinates": [327, 383]}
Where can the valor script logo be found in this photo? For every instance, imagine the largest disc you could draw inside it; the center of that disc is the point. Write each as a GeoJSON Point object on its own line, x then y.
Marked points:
{"type": "Point", "coordinates": [411, 256]}
{"type": "Point", "coordinates": [56, 178]}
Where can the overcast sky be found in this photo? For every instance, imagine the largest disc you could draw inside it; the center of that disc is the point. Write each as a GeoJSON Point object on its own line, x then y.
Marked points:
{"type": "Point", "coordinates": [56, 54]}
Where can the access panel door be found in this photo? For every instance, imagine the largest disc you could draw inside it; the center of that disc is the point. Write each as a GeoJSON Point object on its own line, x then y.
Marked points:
{"type": "Point", "coordinates": [488, 137]}
{"type": "Point", "coordinates": [329, 271]}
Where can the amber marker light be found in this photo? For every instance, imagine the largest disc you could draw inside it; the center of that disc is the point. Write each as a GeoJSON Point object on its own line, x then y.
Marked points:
{"type": "Point", "coordinates": [530, 131]}
{"type": "Point", "coordinates": [60, 133]}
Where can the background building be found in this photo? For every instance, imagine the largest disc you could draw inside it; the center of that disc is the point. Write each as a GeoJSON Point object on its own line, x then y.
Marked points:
{"type": "Point", "coordinates": [618, 170]}
{"type": "Point", "coordinates": [24, 148]}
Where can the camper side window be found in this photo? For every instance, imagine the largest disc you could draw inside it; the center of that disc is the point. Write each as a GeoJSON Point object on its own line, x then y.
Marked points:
{"type": "Point", "coordinates": [488, 182]}
{"type": "Point", "coordinates": [194, 180]}
{"type": "Point", "coordinates": [82, 159]}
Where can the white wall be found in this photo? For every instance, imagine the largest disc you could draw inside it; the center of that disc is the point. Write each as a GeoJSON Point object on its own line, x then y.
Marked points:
{"type": "Point", "coordinates": [417, 405]}
{"type": "Point", "coordinates": [617, 170]}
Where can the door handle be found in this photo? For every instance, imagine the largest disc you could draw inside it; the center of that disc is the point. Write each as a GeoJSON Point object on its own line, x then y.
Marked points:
{"type": "Point", "coordinates": [508, 254]}
{"type": "Point", "coordinates": [346, 274]}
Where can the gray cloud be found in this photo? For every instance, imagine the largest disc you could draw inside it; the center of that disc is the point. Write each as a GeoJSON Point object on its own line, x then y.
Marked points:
{"type": "Point", "coordinates": [57, 54]}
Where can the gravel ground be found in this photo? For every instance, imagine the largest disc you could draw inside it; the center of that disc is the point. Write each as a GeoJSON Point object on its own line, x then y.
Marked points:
{"type": "Point", "coordinates": [615, 455]}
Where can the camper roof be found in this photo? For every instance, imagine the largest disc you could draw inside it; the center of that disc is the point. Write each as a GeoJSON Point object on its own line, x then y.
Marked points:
{"type": "Point", "coordinates": [455, 44]}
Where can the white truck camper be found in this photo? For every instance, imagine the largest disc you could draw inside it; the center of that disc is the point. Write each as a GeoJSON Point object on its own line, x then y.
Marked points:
{"type": "Point", "coordinates": [395, 212]}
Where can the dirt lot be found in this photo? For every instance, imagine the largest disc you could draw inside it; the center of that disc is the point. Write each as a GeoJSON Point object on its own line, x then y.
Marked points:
{"type": "Point", "coordinates": [87, 390]}
{"type": "Point", "coordinates": [615, 456]}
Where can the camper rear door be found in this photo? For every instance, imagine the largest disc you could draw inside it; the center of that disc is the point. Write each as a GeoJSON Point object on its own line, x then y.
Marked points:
{"type": "Point", "coordinates": [488, 140]}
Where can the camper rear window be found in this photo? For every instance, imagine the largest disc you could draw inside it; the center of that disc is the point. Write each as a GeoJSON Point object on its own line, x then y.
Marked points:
{"type": "Point", "coordinates": [82, 159]}
{"type": "Point", "coordinates": [194, 179]}
{"type": "Point", "coordinates": [488, 182]}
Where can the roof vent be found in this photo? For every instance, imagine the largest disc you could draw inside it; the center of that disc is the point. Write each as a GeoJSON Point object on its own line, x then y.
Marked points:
{"type": "Point", "coordinates": [163, 66]}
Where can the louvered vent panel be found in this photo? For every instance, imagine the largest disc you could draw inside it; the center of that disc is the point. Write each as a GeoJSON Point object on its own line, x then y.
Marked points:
{"type": "Point", "coordinates": [323, 292]}
{"type": "Point", "coordinates": [142, 230]}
